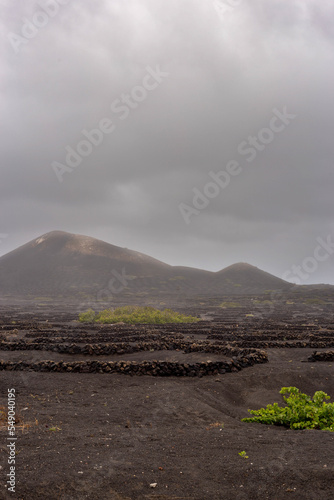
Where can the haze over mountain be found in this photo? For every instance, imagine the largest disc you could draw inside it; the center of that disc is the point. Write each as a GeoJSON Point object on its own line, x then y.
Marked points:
{"type": "Point", "coordinates": [64, 264]}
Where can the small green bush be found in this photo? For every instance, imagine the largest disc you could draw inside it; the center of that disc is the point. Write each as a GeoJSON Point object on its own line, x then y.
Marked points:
{"type": "Point", "coordinates": [301, 411]}
{"type": "Point", "coordinates": [87, 317]}
{"type": "Point", "coordinates": [133, 314]}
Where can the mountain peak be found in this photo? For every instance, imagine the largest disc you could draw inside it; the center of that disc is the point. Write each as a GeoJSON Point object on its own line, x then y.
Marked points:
{"type": "Point", "coordinates": [51, 234]}
{"type": "Point", "coordinates": [245, 276]}
{"type": "Point", "coordinates": [239, 266]}
{"type": "Point", "coordinates": [61, 263]}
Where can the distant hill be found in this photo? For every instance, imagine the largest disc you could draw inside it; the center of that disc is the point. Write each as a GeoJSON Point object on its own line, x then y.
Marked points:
{"type": "Point", "coordinates": [250, 278]}
{"type": "Point", "coordinates": [68, 265]}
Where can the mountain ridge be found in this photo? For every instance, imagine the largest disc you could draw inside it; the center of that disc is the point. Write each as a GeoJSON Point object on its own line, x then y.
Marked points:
{"type": "Point", "coordinates": [62, 263]}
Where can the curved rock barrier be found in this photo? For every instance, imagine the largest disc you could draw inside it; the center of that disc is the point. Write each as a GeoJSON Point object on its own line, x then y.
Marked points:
{"type": "Point", "coordinates": [152, 368]}
{"type": "Point", "coordinates": [162, 343]}
{"type": "Point", "coordinates": [103, 337]}
{"type": "Point", "coordinates": [285, 344]}
{"type": "Point", "coordinates": [127, 348]}
{"type": "Point", "coordinates": [321, 356]}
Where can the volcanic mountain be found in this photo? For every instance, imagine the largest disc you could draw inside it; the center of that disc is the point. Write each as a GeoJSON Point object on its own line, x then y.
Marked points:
{"type": "Point", "coordinates": [60, 264]}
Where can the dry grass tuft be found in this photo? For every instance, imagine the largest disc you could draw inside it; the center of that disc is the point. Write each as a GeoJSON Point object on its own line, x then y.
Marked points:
{"type": "Point", "coordinates": [215, 426]}
{"type": "Point", "coordinates": [19, 423]}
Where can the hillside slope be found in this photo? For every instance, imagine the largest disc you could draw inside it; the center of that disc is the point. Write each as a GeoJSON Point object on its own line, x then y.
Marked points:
{"type": "Point", "coordinates": [64, 264]}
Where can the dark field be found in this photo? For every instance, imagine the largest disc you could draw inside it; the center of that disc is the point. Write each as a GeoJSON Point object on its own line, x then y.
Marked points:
{"type": "Point", "coordinates": [84, 432]}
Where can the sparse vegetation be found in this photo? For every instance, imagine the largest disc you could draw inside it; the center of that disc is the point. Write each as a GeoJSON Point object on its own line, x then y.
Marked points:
{"type": "Point", "coordinates": [243, 454]}
{"type": "Point", "coordinates": [3, 416]}
{"type": "Point", "coordinates": [301, 411]}
{"type": "Point", "coordinates": [263, 302]}
{"type": "Point", "coordinates": [215, 425]}
{"type": "Point", "coordinates": [19, 423]}
{"type": "Point", "coordinates": [133, 314]}
{"type": "Point", "coordinates": [230, 304]}
{"type": "Point", "coordinates": [315, 301]}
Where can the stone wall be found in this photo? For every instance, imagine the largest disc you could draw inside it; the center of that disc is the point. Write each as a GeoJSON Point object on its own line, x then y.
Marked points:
{"type": "Point", "coordinates": [321, 356]}
{"type": "Point", "coordinates": [153, 368]}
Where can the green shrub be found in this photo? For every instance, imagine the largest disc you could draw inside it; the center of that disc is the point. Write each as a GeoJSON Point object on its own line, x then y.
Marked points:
{"type": "Point", "coordinates": [87, 317]}
{"type": "Point", "coordinates": [301, 411]}
{"type": "Point", "coordinates": [133, 314]}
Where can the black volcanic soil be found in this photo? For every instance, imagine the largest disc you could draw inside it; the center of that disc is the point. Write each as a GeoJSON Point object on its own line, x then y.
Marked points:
{"type": "Point", "coordinates": [115, 434]}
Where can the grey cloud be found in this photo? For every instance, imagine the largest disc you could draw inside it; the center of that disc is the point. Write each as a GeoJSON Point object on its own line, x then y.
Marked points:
{"type": "Point", "coordinates": [225, 78]}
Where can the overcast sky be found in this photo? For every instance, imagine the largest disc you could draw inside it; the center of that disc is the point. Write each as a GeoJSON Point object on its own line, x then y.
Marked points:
{"type": "Point", "coordinates": [180, 89]}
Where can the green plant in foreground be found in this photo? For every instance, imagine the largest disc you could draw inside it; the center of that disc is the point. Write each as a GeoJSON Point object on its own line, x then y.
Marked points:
{"type": "Point", "coordinates": [133, 314]}
{"type": "Point", "coordinates": [243, 454]}
{"type": "Point", "coordinates": [301, 411]}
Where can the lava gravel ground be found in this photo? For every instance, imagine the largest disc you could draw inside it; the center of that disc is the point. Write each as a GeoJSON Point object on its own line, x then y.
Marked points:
{"type": "Point", "coordinates": [100, 436]}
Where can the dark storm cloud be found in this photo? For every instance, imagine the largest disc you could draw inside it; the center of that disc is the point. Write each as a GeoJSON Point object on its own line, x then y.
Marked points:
{"type": "Point", "coordinates": [226, 75]}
